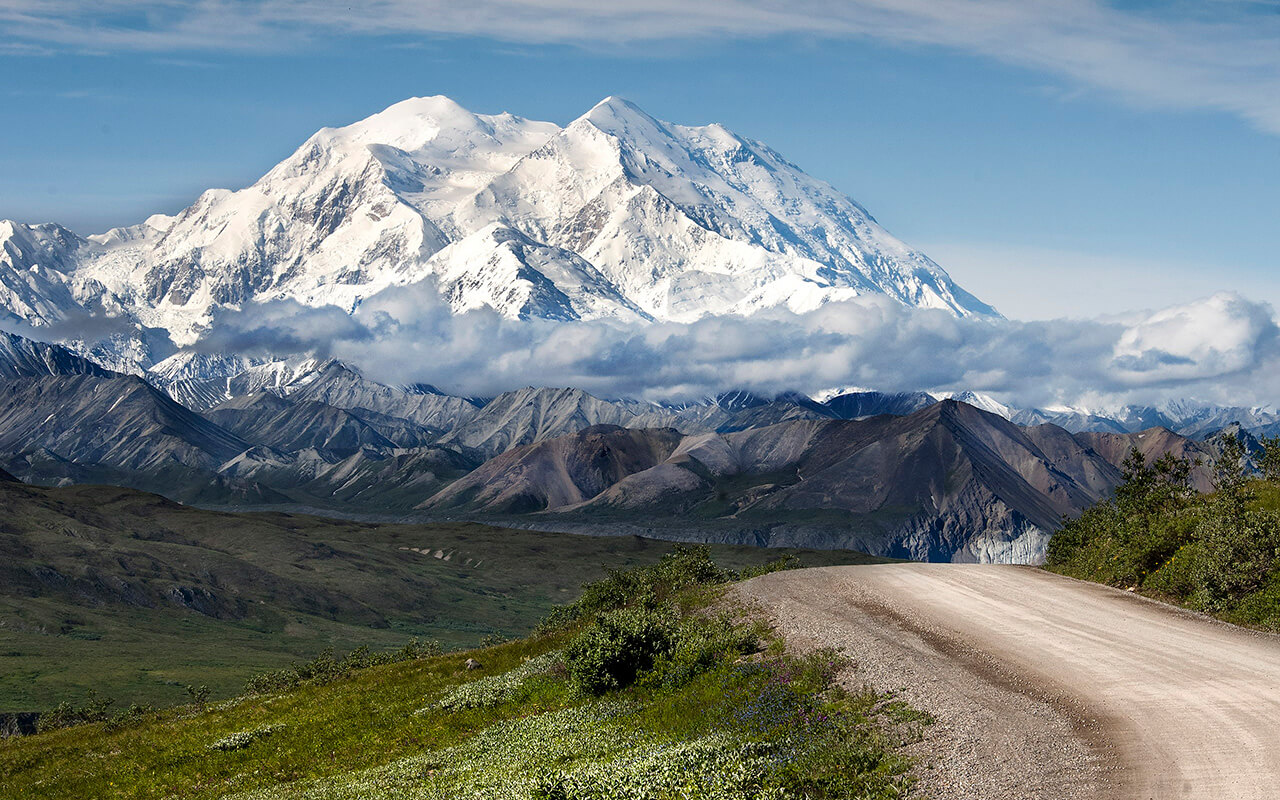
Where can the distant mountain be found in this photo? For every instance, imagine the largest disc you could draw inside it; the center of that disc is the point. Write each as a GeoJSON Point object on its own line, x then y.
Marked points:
{"type": "Point", "coordinates": [1196, 420]}
{"type": "Point", "coordinates": [34, 262]}
{"type": "Point", "coordinates": [118, 421]}
{"type": "Point", "coordinates": [859, 405]}
{"type": "Point", "coordinates": [1153, 443]}
{"type": "Point", "coordinates": [338, 384]}
{"type": "Point", "coordinates": [616, 215]}
{"type": "Point", "coordinates": [560, 472]}
{"type": "Point", "coordinates": [26, 358]}
{"type": "Point", "coordinates": [894, 474]}
{"type": "Point", "coordinates": [290, 426]}
{"type": "Point", "coordinates": [947, 482]}
{"type": "Point", "coordinates": [534, 414]}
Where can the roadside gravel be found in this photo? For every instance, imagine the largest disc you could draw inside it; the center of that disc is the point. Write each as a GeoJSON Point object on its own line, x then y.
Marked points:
{"type": "Point", "coordinates": [1047, 687]}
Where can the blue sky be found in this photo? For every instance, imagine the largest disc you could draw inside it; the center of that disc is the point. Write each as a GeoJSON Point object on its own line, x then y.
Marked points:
{"type": "Point", "coordinates": [1059, 158]}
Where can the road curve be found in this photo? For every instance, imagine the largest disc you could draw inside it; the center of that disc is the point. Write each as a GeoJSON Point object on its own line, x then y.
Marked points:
{"type": "Point", "coordinates": [1067, 688]}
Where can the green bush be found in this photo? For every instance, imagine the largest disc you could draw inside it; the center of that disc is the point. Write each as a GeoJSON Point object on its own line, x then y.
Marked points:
{"type": "Point", "coordinates": [65, 715]}
{"type": "Point", "coordinates": [1218, 552]}
{"type": "Point", "coordinates": [619, 646]}
{"type": "Point", "coordinates": [1176, 578]}
{"type": "Point", "coordinates": [325, 668]}
{"type": "Point", "coordinates": [699, 644]}
{"type": "Point", "coordinates": [684, 567]}
{"type": "Point", "coordinates": [1240, 551]}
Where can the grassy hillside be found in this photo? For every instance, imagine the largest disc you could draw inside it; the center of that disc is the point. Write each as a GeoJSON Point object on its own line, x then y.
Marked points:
{"type": "Point", "coordinates": [136, 597]}
{"type": "Point", "coordinates": [1217, 552]}
{"type": "Point", "coordinates": [643, 689]}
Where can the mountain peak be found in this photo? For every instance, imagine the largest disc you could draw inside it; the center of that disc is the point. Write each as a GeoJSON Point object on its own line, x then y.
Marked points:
{"type": "Point", "coordinates": [443, 128]}
{"type": "Point", "coordinates": [620, 216]}
{"type": "Point", "coordinates": [617, 105]}
{"type": "Point", "coordinates": [622, 118]}
{"type": "Point", "coordinates": [410, 124]}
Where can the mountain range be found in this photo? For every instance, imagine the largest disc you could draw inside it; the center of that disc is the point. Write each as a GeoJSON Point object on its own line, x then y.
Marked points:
{"type": "Point", "coordinates": [906, 475]}
{"type": "Point", "coordinates": [616, 215]}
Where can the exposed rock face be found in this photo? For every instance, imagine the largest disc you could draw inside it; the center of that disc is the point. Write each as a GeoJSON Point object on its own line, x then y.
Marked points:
{"type": "Point", "coordinates": [949, 482]}
{"type": "Point", "coordinates": [292, 426]}
{"type": "Point", "coordinates": [25, 358]}
{"type": "Point", "coordinates": [560, 472]}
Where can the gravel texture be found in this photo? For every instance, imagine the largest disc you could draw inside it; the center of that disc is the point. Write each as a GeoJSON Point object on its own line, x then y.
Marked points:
{"type": "Point", "coordinates": [1045, 687]}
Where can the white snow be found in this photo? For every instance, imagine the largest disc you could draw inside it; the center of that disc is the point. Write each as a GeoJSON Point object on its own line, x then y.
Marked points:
{"type": "Point", "coordinates": [617, 215]}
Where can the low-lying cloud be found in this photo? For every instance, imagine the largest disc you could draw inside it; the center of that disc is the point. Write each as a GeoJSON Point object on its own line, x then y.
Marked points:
{"type": "Point", "coordinates": [1223, 349]}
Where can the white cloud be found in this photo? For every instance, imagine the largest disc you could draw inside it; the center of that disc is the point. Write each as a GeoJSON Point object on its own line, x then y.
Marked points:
{"type": "Point", "coordinates": [1221, 335]}
{"type": "Point", "coordinates": [1220, 349]}
{"type": "Point", "coordinates": [1222, 56]}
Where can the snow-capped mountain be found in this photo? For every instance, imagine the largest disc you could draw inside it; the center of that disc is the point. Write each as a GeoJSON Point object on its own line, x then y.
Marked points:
{"type": "Point", "coordinates": [202, 380]}
{"type": "Point", "coordinates": [691, 221]}
{"type": "Point", "coordinates": [616, 215]}
{"type": "Point", "coordinates": [34, 263]}
{"type": "Point", "coordinates": [978, 400]}
{"type": "Point", "coordinates": [1189, 418]}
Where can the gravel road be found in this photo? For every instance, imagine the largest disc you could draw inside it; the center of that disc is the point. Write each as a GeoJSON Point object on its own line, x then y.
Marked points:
{"type": "Point", "coordinates": [1047, 687]}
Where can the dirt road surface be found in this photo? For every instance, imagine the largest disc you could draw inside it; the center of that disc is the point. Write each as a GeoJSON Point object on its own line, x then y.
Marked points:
{"type": "Point", "coordinates": [1047, 687]}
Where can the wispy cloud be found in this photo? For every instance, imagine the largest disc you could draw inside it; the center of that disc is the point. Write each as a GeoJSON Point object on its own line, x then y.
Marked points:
{"type": "Point", "coordinates": [1222, 56]}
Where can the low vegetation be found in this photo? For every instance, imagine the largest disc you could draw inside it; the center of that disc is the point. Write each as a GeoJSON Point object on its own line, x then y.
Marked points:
{"type": "Point", "coordinates": [1218, 553]}
{"type": "Point", "coordinates": [647, 686]}
{"type": "Point", "coordinates": [157, 596]}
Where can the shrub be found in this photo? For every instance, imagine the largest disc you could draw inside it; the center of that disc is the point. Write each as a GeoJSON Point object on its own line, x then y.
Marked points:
{"type": "Point", "coordinates": [1239, 550]}
{"type": "Point", "coordinates": [325, 668]}
{"type": "Point", "coordinates": [1269, 462]}
{"type": "Point", "coordinates": [685, 566]}
{"type": "Point", "coordinates": [618, 647]}
{"type": "Point", "coordinates": [699, 644]}
{"type": "Point", "coordinates": [1218, 552]}
{"type": "Point", "coordinates": [1177, 576]}
{"type": "Point", "coordinates": [198, 694]}
{"type": "Point", "coordinates": [65, 715]}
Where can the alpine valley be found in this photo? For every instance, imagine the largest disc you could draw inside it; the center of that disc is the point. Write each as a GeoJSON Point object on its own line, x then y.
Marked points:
{"type": "Point", "coordinates": [616, 216]}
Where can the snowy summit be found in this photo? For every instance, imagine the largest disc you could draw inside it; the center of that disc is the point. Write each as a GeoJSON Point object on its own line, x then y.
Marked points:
{"type": "Point", "coordinates": [615, 215]}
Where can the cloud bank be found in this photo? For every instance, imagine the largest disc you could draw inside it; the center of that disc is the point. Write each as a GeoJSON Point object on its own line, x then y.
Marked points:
{"type": "Point", "coordinates": [1223, 349]}
{"type": "Point", "coordinates": [1222, 56]}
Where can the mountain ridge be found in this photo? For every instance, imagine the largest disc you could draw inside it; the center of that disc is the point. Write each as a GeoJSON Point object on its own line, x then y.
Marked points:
{"type": "Point", "coordinates": [947, 482]}
{"type": "Point", "coordinates": [616, 215]}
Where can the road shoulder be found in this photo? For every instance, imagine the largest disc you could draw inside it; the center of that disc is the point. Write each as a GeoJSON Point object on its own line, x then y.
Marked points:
{"type": "Point", "coordinates": [996, 737]}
